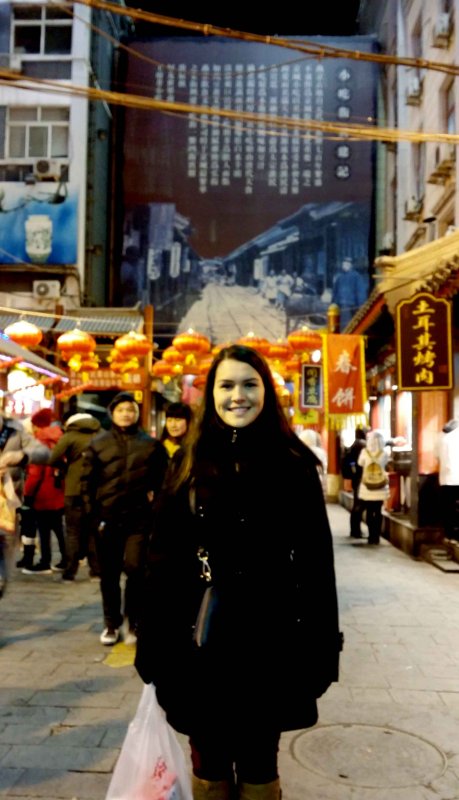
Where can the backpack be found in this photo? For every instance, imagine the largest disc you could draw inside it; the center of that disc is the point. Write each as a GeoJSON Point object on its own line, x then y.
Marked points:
{"type": "Point", "coordinates": [374, 476]}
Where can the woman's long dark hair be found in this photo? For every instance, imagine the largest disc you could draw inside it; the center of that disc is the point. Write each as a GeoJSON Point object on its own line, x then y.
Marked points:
{"type": "Point", "coordinates": [271, 420]}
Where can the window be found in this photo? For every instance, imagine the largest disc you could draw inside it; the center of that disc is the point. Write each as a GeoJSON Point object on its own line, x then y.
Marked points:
{"type": "Point", "coordinates": [41, 30]}
{"type": "Point", "coordinates": [38, 132]}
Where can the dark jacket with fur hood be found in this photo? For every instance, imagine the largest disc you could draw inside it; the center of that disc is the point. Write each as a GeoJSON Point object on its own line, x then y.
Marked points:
{"type": "Point", "coordinates": [260, 514]}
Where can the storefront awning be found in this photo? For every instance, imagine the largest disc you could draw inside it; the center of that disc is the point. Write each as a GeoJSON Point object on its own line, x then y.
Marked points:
{"type": "Point", "coordinates": [428, 268]}
{"type": "Point", "coordinates": [102, 321]}
{"type": "Point", "coordinates": [9, 349]}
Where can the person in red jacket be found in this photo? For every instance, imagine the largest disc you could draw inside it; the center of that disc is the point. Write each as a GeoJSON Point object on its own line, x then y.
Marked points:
{"type": "Point", "coordinates": [46, 496]}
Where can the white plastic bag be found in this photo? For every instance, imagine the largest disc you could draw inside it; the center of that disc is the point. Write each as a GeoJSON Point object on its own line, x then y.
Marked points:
{"type": "Point", "coordinates": [151, 764]}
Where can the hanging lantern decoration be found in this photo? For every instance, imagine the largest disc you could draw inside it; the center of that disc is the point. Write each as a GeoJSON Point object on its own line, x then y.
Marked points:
{"type": "Point", "coordinates": [173, 356]}
{"type": "Point", "coordinates": [133, 344]}
{"type": "Point", "coordinates": [205, 364]}
{"type": "Point", "coordinates": [75, 342]}
{"type": "Point", "coordinates": [293, 365]}
{"type": "Point", "coordinates": [191, 342]}
{"type": "Point", "coordinates": [305, 340]}
{"type": "Point", "coordinates": [89, 362]}
{"type": "Point", "coordinates": [164, 369]}
{"type": "Point", "coordinates": [24, 333]}
{"type": "Point", "coordinates": [279, 351]}
{"type": "Point", "coordinates": [199, 382]}
{"type": "Point", "coordinates": [258, 343]}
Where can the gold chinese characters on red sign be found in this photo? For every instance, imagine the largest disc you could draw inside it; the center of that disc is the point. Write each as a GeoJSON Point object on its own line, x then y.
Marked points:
{"type": "Point", "coordinates": [424, 347]}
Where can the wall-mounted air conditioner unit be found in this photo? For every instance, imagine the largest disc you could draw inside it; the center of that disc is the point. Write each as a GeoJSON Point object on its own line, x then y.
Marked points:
{"type": "Point", "coordinates": [414, 90]}
{"type": "Point", "coordinates": [49, 169]}
{"type": "Point", "coordinates": [442, 30]}
{"type": "Point", "coordinates": [46, 290]}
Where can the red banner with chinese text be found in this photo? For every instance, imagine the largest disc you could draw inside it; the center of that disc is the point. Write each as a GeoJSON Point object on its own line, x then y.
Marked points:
{"type": "Point", "coordinates": [345, 372]}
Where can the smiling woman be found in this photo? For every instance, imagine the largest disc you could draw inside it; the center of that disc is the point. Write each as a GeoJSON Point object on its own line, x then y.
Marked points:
{"type": "Point", "coordinates": [238, 393]}
{"type": "Point", "coordinates": [241, 479]}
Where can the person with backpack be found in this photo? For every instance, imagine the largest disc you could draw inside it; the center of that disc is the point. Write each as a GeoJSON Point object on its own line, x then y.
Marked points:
{"type": "Point", "coordinates": [374, 484]}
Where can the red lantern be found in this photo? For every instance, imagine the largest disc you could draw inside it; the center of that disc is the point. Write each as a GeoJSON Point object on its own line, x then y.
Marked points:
{"type": "Point", "coordinates": [133, 344]}
{"type": "Point", "coordinates": [280, 351]}
{"type": "Point", "coordinates": [76, 342]}
{"type": "Point", "coordinates": [173, 356]}
{"type": "Point", "coordinates": [24, 333]}
{"type": "Point", "coordinates": [199, 382]}
{"type": "Point", "coordinates": [258, 343]}
{"type": "Point", "coordinates": [191, 342]}
{"type": "Point", "coordinates": [161, 369]}
{"type": "Point", "coordinates": [89, 363]}
{"type": "Point", "coordinates": [305, 339]}
{"type": "Point", "coordinates": [293, 365]}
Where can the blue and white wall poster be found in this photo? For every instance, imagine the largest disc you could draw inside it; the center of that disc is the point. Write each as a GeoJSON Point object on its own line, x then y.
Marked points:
{"type": "Point", "coordinates": [38, 223]}
{"type": "Point", "coordinates": [234, 224]}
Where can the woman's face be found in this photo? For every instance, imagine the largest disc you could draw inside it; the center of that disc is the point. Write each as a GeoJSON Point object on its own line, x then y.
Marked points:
{"type": "Point", "coordinates": [176, 426]}
{"type": "Point", "coordinates": [238, 393]}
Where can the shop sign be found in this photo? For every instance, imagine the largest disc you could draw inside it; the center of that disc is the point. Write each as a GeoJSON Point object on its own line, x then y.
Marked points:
{"type": "Point", "coordinates": [424, 343]}
{"type": "Point", "coordinates": [109, 379]}
{"type": "Point", "coordinates": [311, 386]}
{"type": "Point", "coordinates": [345, 370]}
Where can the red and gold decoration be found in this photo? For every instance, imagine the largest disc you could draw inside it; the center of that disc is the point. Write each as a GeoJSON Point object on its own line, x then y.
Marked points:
{"type": "Point", "coordinates": [165, 369]}
{"type": "Point", "coordinates": [75, 342]}
{"type": "Point", "coordinates": [133, 344]}
{"type": "Point", "coordinates": [305, 340]}
{"type": "Point", "coordinates": [191, 342]}
{"type": "Point", "coordinates": [344, 365]}
{"type": "Point", "coordinates": [258, 343]}
{"type": "Point", "coordinates": [24, 333]}
{"type": "Point", "coordinates": [173, 356]}
{"type": "Point", "coordinates": [193, 346]}
{"type": "Point", "coordinates": [424, 343]}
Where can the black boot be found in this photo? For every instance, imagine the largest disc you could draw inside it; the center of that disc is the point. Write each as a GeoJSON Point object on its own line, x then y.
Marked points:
{"type": "Point", "coordinates": [27, 556]}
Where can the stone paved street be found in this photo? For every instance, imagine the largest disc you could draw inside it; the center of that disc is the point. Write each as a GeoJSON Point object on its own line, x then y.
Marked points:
{"type": "Point", "coordinates": [388, 731]}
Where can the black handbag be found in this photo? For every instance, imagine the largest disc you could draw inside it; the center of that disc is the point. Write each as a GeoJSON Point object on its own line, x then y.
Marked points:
{"type": "Point", "coordinates": [205, 619]}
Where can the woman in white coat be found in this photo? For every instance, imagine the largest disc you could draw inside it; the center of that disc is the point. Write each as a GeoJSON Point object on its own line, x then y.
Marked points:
{"type": "Point", "coordinates": [374, 486]}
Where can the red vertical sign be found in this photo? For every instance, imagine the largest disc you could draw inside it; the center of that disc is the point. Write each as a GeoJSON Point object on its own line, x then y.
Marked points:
{"type": "Point", "coordinates": [345, 383]}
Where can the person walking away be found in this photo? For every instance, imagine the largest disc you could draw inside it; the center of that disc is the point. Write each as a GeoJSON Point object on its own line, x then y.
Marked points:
{"type": "Point", "coordinates": [178, 419]}
{"type": "Point", "coordinates": [79, 430]}
{"type": "Point", "coordinates": [122, 470]}
{"type": "Point", "coordinates": [374, 485]}
{"type": "Point", "coordinates": [448, 478]}
{"type": "Point", "coordinates": [355, 474]}
{"type": "Point", "coordinates": [273, 642]}
{"type": "Point", "coordinates": [18, 447]}
{"type": "Point", "coordinates": [45, 496]}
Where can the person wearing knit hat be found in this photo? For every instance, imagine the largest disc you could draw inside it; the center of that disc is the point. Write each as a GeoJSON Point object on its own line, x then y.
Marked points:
{"type": "Point", "coordinates": [178, 418]}
{"type": "Point", "coordinates": [79, 430]}
{"type": "Point", "coordinates": [123, 469]}
{"type": "Point", "coordinates": [42, 418]}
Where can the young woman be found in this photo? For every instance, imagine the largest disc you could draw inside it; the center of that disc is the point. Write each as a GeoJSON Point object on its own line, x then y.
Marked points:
{"type": "Point", "coordinates": [178, 418]}
{"type": "Point", "coordinates": [245, 494]}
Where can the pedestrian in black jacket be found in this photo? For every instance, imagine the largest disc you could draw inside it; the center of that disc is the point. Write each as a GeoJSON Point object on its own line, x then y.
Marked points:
{"type": "Point", "coordinates": [68, 453]}
{"type": "Point", "coordinates": [244, 495]}
{"type": "Point", "coordinates": [353, 471]}
{"type": "Point", "coordinates": [123, 469]}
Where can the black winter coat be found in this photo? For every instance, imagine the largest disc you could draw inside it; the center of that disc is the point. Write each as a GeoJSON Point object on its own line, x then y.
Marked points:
{"type": "Point", "coordinates": [274, 648]}
{"type": "Point", "coordinates": [120, 467]}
